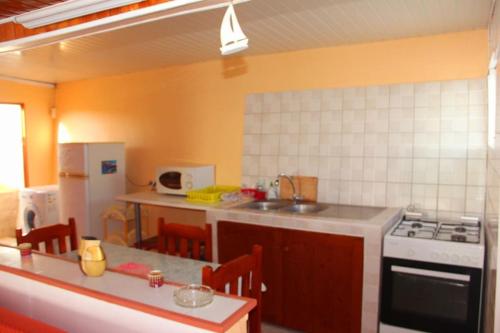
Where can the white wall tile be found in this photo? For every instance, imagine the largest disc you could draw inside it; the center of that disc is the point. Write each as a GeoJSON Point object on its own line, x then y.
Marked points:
{"type": "Point", "coordinates": [331, 99]}
{"type": "Point", "coordinates": [427, 119]}
{"type": "Point", "coordinates": [377, 97]}
{"type": "Point", "coordinates": [425, 196]}
{"type": "Point", "coordinates": [330, 144]}
{"type": "Point", "coordinates": [474, 204]}
{"type": "Point", "coordinates": [401, 120]}
{"type": "Point", "coordinates": [375, 169]}
{"type": "Point", "coordinates": [427, 94]}
{"type": "Point", "coordinates": [400, 170]}
{"type": "Point", "coordinates": [309, 122]}
{"type": "Point", "coordinates": [452, 171]}
{"type": "Point", "coordinates": [398, 194]}
{"type": "Point", "coordinates": [425, 170]}
{"type": "Point", "coordinates": [426, 145]}
{"type": "Point", "coordinates": [451, 198]}
{"type": "Point", "coordinates": [309, 144]}
{"type": "Point", "coordinates": [377, 121]}
{"type": "Point", "coordinates": [376, 144]}
{"type": "Point", "coordinates": [329, 168]}
{"type": "Point", "coordinates": [476, 172]}
{"type": "Point", "coordinates": [271, 123]}
{"type": "Point", "coordinates": [353, 144]}
{"type": "Point", "coordinates": [290, 122]}
{"type": "Point", "coordinates": [421, 143]}
{"type": "Point", "coordinates": [374, 193]}
{"type": "Point", "coordinates": [400, 144]}
{"type": "Point", "coordinates": [354, 98]}
{"type": "Point", "coordinates": [270, 144]}
{"type": "Point", "coordinates": [353, 121]}
{"type": "Point", "coordinates": [402, 96]}
{"type": "Point", "coordinates": [271, 102]}
{"type": "Point", "coordinates": [251, 144]}
{"type": "Point", "coordinates": [453, 145]}
{"type": "Point", "coordinates": [290, 101]}
{"type": "Point", "coordinates": [253, 124]}
{"type": "Point", "coordinates": [351, 168]}
{"type": "Point", "coordinates": [331, 121]}
{"type": "Point", "coordinates": [351, 192]}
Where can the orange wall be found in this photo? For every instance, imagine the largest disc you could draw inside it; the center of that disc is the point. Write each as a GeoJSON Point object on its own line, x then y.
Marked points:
{"type": "Point", "coordinates": [195, 112]}
{"type": "Point", "coordinates": [37, 102]}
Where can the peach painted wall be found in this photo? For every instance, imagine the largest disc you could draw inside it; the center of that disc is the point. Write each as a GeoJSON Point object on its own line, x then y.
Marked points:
{"type": "Point", "coordinates": [39, 136]}
{"type": "Point", "coordinates": [195, 112]}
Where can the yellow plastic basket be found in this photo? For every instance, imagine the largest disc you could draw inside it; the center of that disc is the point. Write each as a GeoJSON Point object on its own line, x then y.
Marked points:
{"type": "Point", "coordinates": [210, 194]}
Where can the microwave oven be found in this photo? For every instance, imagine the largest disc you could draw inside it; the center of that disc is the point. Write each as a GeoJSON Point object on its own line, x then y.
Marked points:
{"type": "Point", "coordinates": [183, 178]}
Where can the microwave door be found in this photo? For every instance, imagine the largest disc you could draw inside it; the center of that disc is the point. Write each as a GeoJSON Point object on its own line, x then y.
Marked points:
{"type": "Point", "coordinates": [171, 180]}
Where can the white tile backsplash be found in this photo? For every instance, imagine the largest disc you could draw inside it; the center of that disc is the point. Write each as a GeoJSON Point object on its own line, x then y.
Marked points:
{"type": "Point", "coordinates": [422, 144]}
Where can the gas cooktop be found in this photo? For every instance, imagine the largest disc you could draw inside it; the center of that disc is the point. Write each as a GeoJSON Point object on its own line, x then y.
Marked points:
{"type": "Point", "coordinates": [465, 231]}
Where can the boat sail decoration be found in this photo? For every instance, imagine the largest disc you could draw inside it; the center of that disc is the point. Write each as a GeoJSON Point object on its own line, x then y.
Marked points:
{"type": "Point", "coordinates": [232, 37]}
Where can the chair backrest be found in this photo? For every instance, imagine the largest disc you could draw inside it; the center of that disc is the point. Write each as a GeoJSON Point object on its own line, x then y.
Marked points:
{"type": "Point", "coordinates": [47, 234]}
{"type": "Point", "coordinates": [244, 277]}
{"type": "Point", "coordinates": [182, 240]}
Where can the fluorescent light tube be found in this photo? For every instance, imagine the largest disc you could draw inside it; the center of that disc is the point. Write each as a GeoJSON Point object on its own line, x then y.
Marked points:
{"type": "Point", "coordinates": [67, 10]}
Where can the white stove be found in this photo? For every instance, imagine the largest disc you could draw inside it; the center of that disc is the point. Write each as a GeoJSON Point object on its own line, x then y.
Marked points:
{"type": "Point", "coordinates": [449, 242]}
{"type": "Point", "coordinates": [432, 276]}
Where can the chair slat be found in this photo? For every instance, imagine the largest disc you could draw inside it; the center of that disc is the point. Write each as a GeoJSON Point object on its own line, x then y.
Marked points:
{"type": "Point", "coordinates": [184, 240]}
{"type": "Point", "coordinates": [48, 234]}
{"type": "Point", "coordinates": [249, 268]}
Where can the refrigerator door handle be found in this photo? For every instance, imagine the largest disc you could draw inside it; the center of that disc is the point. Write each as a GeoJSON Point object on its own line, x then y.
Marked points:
{"type": "Point", "coordinates": [73, 175]}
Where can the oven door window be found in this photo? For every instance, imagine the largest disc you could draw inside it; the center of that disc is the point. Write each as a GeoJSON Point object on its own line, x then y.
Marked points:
{"type": "Point", "coordinates": [171, 180]}
{"type": "Point", "coordinates": [430, 297]}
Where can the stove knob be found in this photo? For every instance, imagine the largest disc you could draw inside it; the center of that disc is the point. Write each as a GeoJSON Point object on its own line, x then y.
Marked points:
{"type": "Point", "coordinates": [465, 260]}
{"type": "Point", "coordinates": [434, 255]}
{"type": "Point", "coordinates": [445, 257]}
{"type": "Point", "coordinates": [410, 253]}
{"type": "Point", "coordinates": [455, 258]}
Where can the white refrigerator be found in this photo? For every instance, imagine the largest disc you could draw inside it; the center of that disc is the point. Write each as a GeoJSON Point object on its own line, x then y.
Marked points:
{"type": "Point", "coordinates": [91, 175]}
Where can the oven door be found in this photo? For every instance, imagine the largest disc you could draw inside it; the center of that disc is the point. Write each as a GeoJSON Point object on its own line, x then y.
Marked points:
{"type": "Point", "coordinates": [430, 297]}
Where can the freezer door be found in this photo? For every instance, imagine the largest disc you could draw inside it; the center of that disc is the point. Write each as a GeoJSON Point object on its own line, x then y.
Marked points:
{"type": "Point", "coordinates": [72, 159]}
{"type": "Point", "coordinates": [106, 165]}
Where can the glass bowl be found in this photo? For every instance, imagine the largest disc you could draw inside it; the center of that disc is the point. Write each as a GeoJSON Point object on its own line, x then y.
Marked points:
{"type": "Point", "coordinates": [193, 296]}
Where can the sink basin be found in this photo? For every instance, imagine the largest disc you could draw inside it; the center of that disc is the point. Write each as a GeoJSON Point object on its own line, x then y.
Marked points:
{"type": "Point", "coordinates": [267, 204]}
{"type": "Point", "coordinates": [304, 208]}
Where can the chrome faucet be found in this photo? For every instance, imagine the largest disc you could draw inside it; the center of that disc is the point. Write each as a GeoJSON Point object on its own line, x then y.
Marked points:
{"type": "Point", "coordinates": [295, 196]}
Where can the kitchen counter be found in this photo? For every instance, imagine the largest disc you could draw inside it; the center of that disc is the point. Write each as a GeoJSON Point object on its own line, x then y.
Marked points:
{"type": "Point", "coordinates": [33, 284]}
{"type": "Point", "coordinates": [370, 223]}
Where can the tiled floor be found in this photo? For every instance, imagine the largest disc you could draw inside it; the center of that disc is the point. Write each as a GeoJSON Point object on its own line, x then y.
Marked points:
{"type": "Point", "coordinates": [268, 328]}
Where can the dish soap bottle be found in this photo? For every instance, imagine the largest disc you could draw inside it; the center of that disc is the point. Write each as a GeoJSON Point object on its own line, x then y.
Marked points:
{"type": "Point", "coordinates": [271, 192]}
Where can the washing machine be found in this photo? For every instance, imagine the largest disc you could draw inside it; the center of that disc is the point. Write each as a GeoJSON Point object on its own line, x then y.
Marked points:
{"type": "Point", "coordinates": [38, 206]}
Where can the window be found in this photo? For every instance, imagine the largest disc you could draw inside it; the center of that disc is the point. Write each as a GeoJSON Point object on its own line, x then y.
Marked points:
{"type": "Point", "coordinates": [12, 175]}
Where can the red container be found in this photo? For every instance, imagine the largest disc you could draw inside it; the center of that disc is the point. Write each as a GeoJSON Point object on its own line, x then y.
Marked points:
{"type": "Point", "coordinates": [25, 249]}
{"type": "Point", "coordinates": [260, 195]}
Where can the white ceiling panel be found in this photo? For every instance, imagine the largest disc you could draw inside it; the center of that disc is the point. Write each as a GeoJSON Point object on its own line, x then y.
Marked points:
{"type": "Point", "coordinates": [271, 25]}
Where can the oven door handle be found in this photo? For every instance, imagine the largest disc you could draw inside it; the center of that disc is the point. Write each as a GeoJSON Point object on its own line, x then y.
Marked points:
{"type": "Point", "coordinates": [425, 272]}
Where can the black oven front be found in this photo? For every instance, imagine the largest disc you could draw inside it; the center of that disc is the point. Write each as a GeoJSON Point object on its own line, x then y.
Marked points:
{"type": "Point", "coordinates": [430, 297]}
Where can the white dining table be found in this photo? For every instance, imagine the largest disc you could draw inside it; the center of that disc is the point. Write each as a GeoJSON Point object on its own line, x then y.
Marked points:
{"type": "Point", "coordinates": [175, 269]}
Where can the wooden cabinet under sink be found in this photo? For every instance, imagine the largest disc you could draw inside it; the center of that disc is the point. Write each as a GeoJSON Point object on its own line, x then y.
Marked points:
{"type": "Point", "coordinates": [314, 280]}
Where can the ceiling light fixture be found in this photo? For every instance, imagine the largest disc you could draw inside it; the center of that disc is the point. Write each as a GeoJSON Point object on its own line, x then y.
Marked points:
{"type": "Point", "coordinates": [232, 38]}
{"type": "Point", "coordinates": [67, 10]}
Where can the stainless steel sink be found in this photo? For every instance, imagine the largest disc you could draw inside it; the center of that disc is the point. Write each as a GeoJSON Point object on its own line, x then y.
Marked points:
{"type": "Point", "coordinates": [304, 208]}
{"type": "Point", "coordinates": [267, 204]}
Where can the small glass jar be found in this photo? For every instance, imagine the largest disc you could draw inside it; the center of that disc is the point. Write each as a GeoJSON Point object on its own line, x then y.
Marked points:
{"type": "Point", "coordinates": [155, 278]}
{"type": "Point", "coordinates": [25, 249]}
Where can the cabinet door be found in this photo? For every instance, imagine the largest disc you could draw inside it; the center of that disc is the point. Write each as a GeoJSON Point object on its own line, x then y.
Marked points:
{"type": "Point", "coordinates": [322, 290]}
{"type": "Point", "coordinates": [236, 239]}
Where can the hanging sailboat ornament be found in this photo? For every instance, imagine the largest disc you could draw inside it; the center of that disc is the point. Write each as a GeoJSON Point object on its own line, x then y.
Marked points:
{"type": "Point", "coordinates": [232, 38]}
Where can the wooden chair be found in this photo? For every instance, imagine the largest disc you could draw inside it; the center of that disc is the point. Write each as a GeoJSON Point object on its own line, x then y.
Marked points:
{"type": "Point", "coordinates": [49, 233]}
{"type": "Point", "coordinates": [175, 239]}
{"type": "Point", "coordinates": [249, 268]}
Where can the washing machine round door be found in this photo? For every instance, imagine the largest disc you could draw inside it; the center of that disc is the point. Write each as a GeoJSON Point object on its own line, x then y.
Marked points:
{"type": "Point", "coordinates": [31, 219]}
